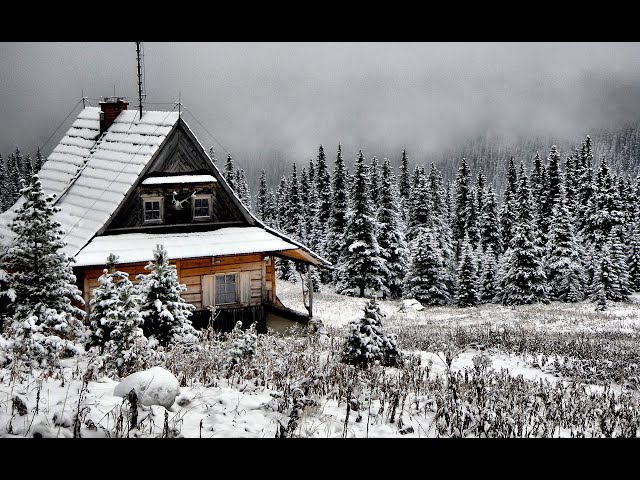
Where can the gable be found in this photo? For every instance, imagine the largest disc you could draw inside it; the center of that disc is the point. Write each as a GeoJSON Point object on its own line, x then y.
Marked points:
{"type": "Point", "coordinates": [178, 155]}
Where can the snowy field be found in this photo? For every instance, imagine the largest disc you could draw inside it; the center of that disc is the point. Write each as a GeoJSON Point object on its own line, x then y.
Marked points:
{"type": "Point", "coordinates": [544, 370]}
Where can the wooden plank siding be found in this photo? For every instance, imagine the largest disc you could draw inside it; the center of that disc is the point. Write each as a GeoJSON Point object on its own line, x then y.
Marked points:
{"type": "Point", "coordinates": [190, 272]}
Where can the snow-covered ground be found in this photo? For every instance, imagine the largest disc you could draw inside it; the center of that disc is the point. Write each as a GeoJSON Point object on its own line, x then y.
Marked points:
{"type": "Point", "coordinates": [260, 404]}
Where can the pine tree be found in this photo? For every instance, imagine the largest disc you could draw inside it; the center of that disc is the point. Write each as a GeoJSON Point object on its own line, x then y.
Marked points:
{"type": "Point", "coordinates": [229, 173]}
{"type": "Point", "coordinates": [212, 155]}
{"type": "Point", "coordinates": [553, 179]}
{"type": "Point", "coordinates": [633, 258]}
{"type": "Point", "coordinates": [489, 224]}
{"type": "Point", "coordinates": [404, 185]}
{"type": "Point", "coordinates": [361, 265]}
{"type": "Point", "coordinates": [27, 168]}
{"type": "Point", "coordinates": [338, 220]}
{"type": "Point", "coordinates": [603, 280]}
{"type": "Point", "coordinates": [619, 269]}
{"type": "Point", "coordinates": [4, 204]}
{"type": "Point", "coordinates": [509, 206]}
{"type": "Point", "coordinates": [262, 201]}
{"type": "Point", "coordinates": [323, 189]}
{"type": "Point", "coordinates": [466, 294]}
{"type": "Point", "coordinates": [565, 274]}
{"type": "Point", "coordinates": [164, 312]}
{"type": "Point", "coordinates": [41, 277]}
{"type": "Point", "coordinates": [539, 195]}
{"type": "Point", "coordinates": [426, 279]}
{"type": "Point", "coordinates": [127, 322]}
{"type": "Point", "coordinates": [374, 180]}
{"type": "Point", "coordinates": [488, 276]}
{"type": "Point", "coordinates": [281, 197]}
{"type": "Point", "coordinates": [104, 303]}
{"type": "Point", "coordinates": [604, 213]}
{"type": "Point", "coordinates": [242, 188]}
{"type": "Point", "coordinates": [420, 208]}
{"type": "Point", "coordinates": [296, 225]}
{"type": "Point", "coordinates": [366, 344]}
{"type": "Point", "coordinates": [393, 247]}
{"type": "Point", "coordinates": [464, 205]}
{"type": "Point", "coordinates": [524, 280]}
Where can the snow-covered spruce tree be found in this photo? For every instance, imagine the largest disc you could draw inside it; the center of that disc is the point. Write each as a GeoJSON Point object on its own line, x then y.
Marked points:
{"type": "Point", "coordinates": [44, 318]}
{"type": "Point", "coordinates": [488, 276]}
{"type": "Point", "coordinates": [404, 184]}
{"type": "Point", "coordinates": [621, 289]}
{"type": "Point", "coordinates": [426, 279]}
{"type": "Point", "coordinates": [39, 161]}
{"type": "Point", "coordinates": [539, 198]}
{"type": "Point", "coordinates": [323, 189]}
{"type": "Point", "coordinates": [27, 167]}
{"type": "Point", "coordinates": [212, 155]}
{"type": "Point", "coordinates": [229, 173]}
{"type": "Point", "coordinates": [467, 278]}
{"type": "Point", "coordinates": [438, 221]}
{"type": "Point", "coordinates": [553, 181]}
{"type": "Point", "coordinates": [3, 186]}
{"type": "Point", "coordinates": [604, 282]}
{"type": "Point", "coordinates": [334, 242]}
{"type": "Point", "coordinates": [566, 278]}
{"type": "Point", "coordinates": [633, 258]}
{"type": "Point", "coordinates": [366, 344]}
{"type": "Point", "coordinates": [7, 296]}
{"type": "Point", "coordinates": [374, 181]}
{"type": "Point", "coordinates": [393, 247]}
{"type": "Point", "coordinates": [295, 208]}
{"type": "Point", "coordinates": [242, 188]}
{"type": "Point", "coordinates": [361, 265]}
{"type": "Point", "coordinates": [489, 224]}
{"type": "Point", "coordinates": [126, 334]}
{"type": "Point", "coordinates": [509, 208]}
{"type": "Point", "coordinates": [164, 312]}
{"type": "Point", "coordinates": [464, 206]}
{"type": "Point", "coordinates": [262, 200]}
{"type": "Point", "coordinates": [104, 304]}
{"type": "Point", "coordinates": [420, 208]}
{"type": "Point", "coordinates": [604, 212]}
{"type": "Point", "coordinates": [524, 280]}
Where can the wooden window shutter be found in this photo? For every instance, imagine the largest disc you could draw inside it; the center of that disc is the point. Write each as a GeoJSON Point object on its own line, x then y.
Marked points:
{"type": "Point", "coordinates": [245, 288]}
{"type": "Point", "coordinates": [208, 290]}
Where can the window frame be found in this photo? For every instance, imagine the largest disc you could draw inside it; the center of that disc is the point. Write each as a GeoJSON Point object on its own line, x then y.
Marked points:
{"type": "Point", "coordinates": [152, 198]}
{"type": "Point", "coordinates": [201, 196]}
{"type": "Point", "coordinates": [236, 276]}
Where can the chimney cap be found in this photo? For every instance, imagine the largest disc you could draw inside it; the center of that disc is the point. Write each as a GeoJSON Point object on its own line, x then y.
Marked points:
{"type": "Point", "coordinates": [114, 100]}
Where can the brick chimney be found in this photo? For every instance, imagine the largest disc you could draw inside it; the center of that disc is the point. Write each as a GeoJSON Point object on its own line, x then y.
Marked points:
{"type": "Point", "coordinates": [111, 108]}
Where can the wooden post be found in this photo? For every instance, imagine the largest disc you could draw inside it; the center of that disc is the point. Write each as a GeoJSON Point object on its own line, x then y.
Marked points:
{"type": "Point", "coordinates": [310, 287]}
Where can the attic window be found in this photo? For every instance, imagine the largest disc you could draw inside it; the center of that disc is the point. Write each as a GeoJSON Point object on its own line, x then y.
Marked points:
{"type": "Point", "coordinates": [201, 207]}
{"type": "Point", "coordinates": [153, 208]}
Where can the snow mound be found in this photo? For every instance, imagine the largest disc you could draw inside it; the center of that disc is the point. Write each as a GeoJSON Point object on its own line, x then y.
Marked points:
{"type": "Point", "coordinates": [155, 386]}
{"type": "Point", "coordinates": [412, 303]}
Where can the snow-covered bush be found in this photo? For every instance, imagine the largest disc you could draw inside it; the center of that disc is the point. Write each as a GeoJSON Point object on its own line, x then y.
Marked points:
{"type": "Point", "coordinates": [243, 345]}
{"type": "Point", "coordinates": [367, 344]}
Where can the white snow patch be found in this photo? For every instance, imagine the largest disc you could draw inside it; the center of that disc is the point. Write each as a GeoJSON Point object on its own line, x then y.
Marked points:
{"type": "Point", "coordinates": [179, 179]}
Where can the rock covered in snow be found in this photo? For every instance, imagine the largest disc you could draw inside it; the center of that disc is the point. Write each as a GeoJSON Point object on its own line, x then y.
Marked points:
{"type": "Point", "coordinates": [155, 386]}
{"type": "Point", "coordinates": [412, 303]}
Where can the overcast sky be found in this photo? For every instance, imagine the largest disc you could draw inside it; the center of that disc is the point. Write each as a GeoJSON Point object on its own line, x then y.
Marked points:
{"type": "Point", "coordinates": [284, 99]}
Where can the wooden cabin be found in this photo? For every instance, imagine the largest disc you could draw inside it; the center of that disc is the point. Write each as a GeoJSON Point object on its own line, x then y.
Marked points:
{"type": "Point", "coordinates": [125, 184]}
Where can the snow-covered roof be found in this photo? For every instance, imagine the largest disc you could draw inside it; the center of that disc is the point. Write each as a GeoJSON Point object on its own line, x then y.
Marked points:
{"type": "Point", "coordinates": [111, 170]}
{"type": "Point", "coordinates": [138, 247]}
{"type": "Point", "coordinates": [179, 179]}
{"type": "Point", "coordinates": [91, 177]}
{"type": "Point", "coordinates": [63, 163]}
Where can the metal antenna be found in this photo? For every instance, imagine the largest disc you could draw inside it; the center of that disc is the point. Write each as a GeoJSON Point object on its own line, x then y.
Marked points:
{"type": "Point", "coordinates": [139, 78]}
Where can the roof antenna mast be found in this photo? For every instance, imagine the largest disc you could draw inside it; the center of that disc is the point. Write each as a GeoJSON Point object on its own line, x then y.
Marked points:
{"type": "Point", "coordinates": [139, 77]}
